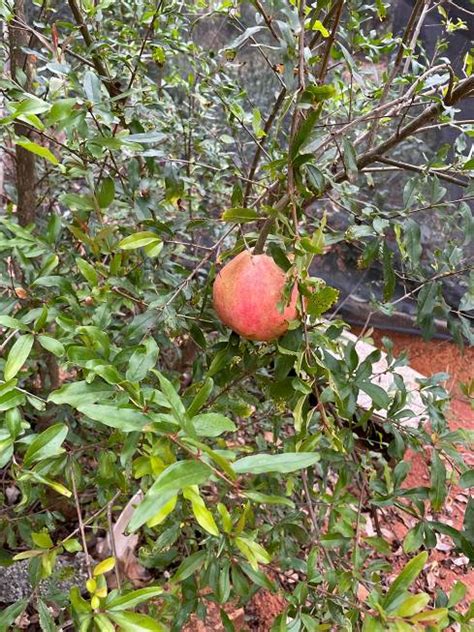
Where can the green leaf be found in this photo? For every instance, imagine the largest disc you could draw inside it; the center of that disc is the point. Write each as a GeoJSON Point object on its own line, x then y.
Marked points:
{"type": "Point", "coordinates": [316, 94]}
{"type": "Point", "coordinates": [39, 150]}
{"type": "Point", "coordinates": [12, 323]}
{"type": "Point", "coordinates": [466, 480]}
{"type": "Point", "coordinates": [103, 623]}
{"type": "Point", "coordinates": [46, 445]}
{"type": "Point", "coordinates": [146, 138]}
{"type": "Point", "coordinates": [212, 425]}
{"type": "Point", "coordinates": [412, 605]}
{"type": "Point", "coordinates": [154, 248]}
{"type": "Point", "coordinates": [202, 514]}
{"type": "Point", "coordinates": [267, 499]}
{"type": "Point", "coordinates": [172, 396]}
{"type": "Point", "coordinates": [72, 546]}
{"type": "Point", "coordinates": [413, 539]}
{"type": "Point", "coordinates": [134, 598]}
{"type": "Point", "coordinates": [52, 345]}
{"type": "Point", "coordinates": [438, 489]}
{"type": "Point", "coordinates": [376, 393]}
{"type": "Point", "coordinates": [437, 615]}
{"type": "Point", "coordinates": [350, 156]}
{"type": "Point", "coordinates": [406, 577]}
{"type": "Point", "coordinates": [104, 567]}
{"type": "Point", "coordinates": [388, 273]}
{"type": "Point", "coordinates": [92, 86]}
{"type": "Point", "coordinates": [281, 463]}
{"type": "Point", "coordinates": [42, 539]}
{"type": "Point", "coordinates": [171, 480]}
{"type": "Point", "coordinates": [412, 241]}
{"type": "Point", "coordinates": [138, 240]}
{"type": "Point", "coordinates": [201, 397]}
{"type": "Point", "coordinates": [11, 399]}
{"type": "Point", "coordinates": [151, 506]}
{"type": "Point", "coordinates": [78, 394]}
{"type": "Point", "coordinates": [321, 300]}
{"type": "Point", "coordinates": [240, 215]}
{"type": "Point", "coordinates": [106, 194]}
{"type": "Point", "coordinates": [88, 271]}
{"type": "Point", "coordinates": [189, 566]}
{"type": "Point", "coordinates": [17, 356]}
{"type": "Point", "coordinates": [317, 25]}
{"type": "Point", "coordinates": [124, 419]}
{"type": "Point", "coordinates": [163, 511]}
{"type": "Point", "coordinates": [254, 552]}
{"type": "Point", "coordinates": [468, 522]}
{"type": "Point", "coordinates": [457, 594]}
{"type": "Point", "coordinates": [181, 474]}
{"type": "Point", "coordinates": [46, 620]}
{"type": "Point", "coordinates": [8, 615]}
{"type": "Point", "coordinates": [135, 622]}
{"type": "Point", "coordinates": [142, 360]}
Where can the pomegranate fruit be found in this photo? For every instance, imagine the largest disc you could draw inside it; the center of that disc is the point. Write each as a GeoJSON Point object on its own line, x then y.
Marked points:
{"type": "Point", "coordinates": [246, 294]}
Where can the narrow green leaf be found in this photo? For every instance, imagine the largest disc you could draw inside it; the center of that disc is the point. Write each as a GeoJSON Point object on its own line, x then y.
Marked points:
{"type": "Point", "coordinates": [376, 393]}
{"type": "Point", "coordinates": [17, 356]}
{"type": "Point", "coordinates": [8, 616]}
{"type": "Point", "coordinates": [46, 445]}
{"type": "Point", "coordinates": [52, 345]}
{"type": "Point", "coordinates": [405, 579]}
{"type": "Point", "coordinates": [467, 479]}
{"type": "Point", "coordinates": [212, 425]}
{"type": "Point", "coordinates": [39, 150]}
{"type": "Point", "coordinates": [134, 598]}
{"type": "Point", "coordinates": [135, 622]}
{"type": "Point", "coordinates": [124, 419]}
{"type": "Point", "coordinates": [189, 566]}
{"type": "Point", "coordinates": [412, 605]}
{"type": "Point", "coordinates": [201, 397]}
{"type": "Point", "coordinates": [240, 215]}
{"type": "Point", "coordinates": [12, 323]}
{"type": "Point", "coordinates": [438, 489]}
{"type": "Point", "coordinates": [78, 394]}
{"type": "Point", "coordinates": [106, 193]}
{"type": "Point", "coordinates": [45, 619]}
{"type": "Point", "coordinates": [281, 463]}
{"type": "Point", "coordinates": [88, 271]}
{"type": "Point", "coordinates": [138, 240]}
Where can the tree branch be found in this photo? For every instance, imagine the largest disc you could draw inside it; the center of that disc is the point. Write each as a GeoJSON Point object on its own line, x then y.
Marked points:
{"type": "Point", "coordinates": [462, 90]}
{"type": "Point", "coordinates": [112, 88]}
{"type": "Point", "coordinates": [398, 164]}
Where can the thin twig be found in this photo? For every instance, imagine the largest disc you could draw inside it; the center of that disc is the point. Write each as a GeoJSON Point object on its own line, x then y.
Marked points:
{"type": "Point", "coordinates": [330, 41]}
{"type": "Point", "coordinates": [81, 523]}
{"type": "Point", "coordinates": [417, 169]}
{"type": "Point", "coordinates": [112, 544]}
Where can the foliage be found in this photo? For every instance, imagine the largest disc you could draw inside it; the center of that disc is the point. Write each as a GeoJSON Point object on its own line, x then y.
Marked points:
{"type": "Point", "coordinates": [253, 459]}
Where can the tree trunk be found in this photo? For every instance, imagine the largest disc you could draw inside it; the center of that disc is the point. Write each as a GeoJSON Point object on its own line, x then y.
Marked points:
{"type": "Point", "coordinates": [21, 69]}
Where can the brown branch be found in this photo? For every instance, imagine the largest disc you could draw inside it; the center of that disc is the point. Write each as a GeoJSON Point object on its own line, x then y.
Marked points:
{"type": "Point", "coordinates": [330, 42]}
{"type": "Point", "coordinates": [258, 152]}
{"type": "Point", "coordinates": [267, 18]}
{"type": "Point", "coordinates": [462, 90]}
{"type": "Point", "coordinates": [112, 88]}
{"type": "Point", "coordinates": [411, 26]}
{"type": "Point", "coordinates": [417, 169]}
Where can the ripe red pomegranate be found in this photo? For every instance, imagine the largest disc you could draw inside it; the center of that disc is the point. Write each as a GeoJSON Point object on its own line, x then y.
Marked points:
{"type": "Point", "coordinates": [246, 293]}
